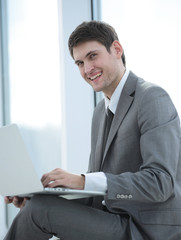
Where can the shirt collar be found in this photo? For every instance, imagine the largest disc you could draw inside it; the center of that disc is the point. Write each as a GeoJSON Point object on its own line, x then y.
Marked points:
{"type": "Point", "coordinates": [113, 102]}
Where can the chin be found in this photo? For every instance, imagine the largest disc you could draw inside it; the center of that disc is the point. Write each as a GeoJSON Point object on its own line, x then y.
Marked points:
{"type": "Point", "coordinates": [97, 90]}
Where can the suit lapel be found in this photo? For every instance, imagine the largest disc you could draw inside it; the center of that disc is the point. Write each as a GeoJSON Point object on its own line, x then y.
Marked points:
{"type": "Point", "coordinates": [124, 104]}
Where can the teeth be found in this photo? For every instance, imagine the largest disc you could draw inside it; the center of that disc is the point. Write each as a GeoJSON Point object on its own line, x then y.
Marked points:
{"type": "Point", "coordinates": [97, 75]}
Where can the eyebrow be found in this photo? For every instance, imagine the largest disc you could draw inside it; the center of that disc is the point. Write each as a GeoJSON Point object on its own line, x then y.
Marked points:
{"type": "Point", "coordinates": [88, 54]}
{"type": "Point", "coordinates": [78, 61]}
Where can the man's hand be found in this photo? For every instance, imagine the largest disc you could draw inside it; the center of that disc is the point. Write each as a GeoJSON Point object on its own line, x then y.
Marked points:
{"type": "Point", "coordinates": [17, 201]}
{"type": "Point", "coordinates": [59, 177]}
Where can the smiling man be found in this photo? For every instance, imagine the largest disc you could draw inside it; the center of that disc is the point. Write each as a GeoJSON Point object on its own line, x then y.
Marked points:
{"type": "Point", "coordinates": [135, 157]}
{"type": "Point", "coordinates": [101, 69]}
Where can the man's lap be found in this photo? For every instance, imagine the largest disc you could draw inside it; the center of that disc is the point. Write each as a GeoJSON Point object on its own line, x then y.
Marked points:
{"type": "Point", "coordinates": [71, 220]}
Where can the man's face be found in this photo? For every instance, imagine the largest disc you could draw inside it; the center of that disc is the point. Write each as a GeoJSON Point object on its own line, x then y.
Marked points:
{"type": "Point", "coordinates": [100, 68]}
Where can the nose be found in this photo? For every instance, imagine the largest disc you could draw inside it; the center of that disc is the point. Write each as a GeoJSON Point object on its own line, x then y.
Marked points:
{"type": "Point", "coordinates": [88, 67]}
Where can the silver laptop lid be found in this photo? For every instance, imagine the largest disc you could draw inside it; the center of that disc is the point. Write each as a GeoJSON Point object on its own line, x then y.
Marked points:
{"type": "Point", "coordinates": [15, 163]}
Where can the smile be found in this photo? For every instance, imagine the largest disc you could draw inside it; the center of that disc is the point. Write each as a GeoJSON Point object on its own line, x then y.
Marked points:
{"type": "Point", "coordinates": [96, 76]}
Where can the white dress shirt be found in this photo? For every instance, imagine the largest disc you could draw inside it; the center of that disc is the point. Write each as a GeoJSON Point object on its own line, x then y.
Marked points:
{"type": "Point", "coordinates": [97, 181]}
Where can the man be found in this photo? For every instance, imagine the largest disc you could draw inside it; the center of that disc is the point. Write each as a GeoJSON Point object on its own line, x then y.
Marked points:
{"type": "Point", "coordinates": [135, 157]}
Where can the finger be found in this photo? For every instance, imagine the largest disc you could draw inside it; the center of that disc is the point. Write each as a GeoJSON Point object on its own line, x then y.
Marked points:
{"type": "Point", "coordinates": [52, 181]}
{"type": "Point", "coordinates": [16, 201]}
{"type": "Point", "coordinates": [24, 202]}
{"type": "Point", "coordinates": [19, 202]}
{"type": "Point", "coordinates": [54, 175]}
{"type": "Point", "coordinates": [56, 171]}
{"type": "Point", "coordinates": [56, 183]}
{"type": "Point", "coordinates": [8, 199]}
{"type": "Point", "coordinates": [47, 175]}
{"type": "Point", "coordinates": [44, 177]}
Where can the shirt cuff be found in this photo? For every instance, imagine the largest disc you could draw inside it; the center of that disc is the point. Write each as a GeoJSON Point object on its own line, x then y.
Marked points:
{"type": "Point", "coordinates": [96, 181]}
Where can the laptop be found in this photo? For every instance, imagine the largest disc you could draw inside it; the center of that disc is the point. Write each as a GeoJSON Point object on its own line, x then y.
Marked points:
{"type": "Point", "coordinates": [18, 176]}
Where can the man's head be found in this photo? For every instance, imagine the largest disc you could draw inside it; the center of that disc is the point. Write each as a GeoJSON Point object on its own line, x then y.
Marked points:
{"type": "Point", "coordinates": [99, 56]}
{"type": "Point", "coordinates": [94, 31]}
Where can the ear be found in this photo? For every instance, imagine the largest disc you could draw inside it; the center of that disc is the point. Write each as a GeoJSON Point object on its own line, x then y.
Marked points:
{"type": "Point", "coordinates": [117, 48]}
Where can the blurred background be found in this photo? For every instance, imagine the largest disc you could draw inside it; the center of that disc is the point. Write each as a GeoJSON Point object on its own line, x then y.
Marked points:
{"type": "Point", "coordinates": [40, 86]}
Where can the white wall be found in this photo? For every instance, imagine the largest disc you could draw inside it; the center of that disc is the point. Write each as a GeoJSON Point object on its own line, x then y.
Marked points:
{"type": "Point", "coordinates": [150, 32]}
{"type": "Point", "coordinates": [77, 95]}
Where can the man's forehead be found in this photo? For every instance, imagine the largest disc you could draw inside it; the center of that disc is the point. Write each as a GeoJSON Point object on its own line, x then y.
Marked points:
{"type": "Point", "coordinates": [82, 49]}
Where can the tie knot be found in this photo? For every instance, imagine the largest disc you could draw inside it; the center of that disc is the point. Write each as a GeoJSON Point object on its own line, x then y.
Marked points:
{"type": "Point", "coordinates": [109, 116]}
{"type": "Point", "coordinates": [109, 112]}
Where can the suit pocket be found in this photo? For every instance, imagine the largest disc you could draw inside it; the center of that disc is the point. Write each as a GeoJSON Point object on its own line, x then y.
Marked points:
{"type": "Point", "coordinates": [161, 217]}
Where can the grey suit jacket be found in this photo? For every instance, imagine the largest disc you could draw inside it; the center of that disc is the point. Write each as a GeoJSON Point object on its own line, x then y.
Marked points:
{"type": "Point", "coordinates": [142, 160]}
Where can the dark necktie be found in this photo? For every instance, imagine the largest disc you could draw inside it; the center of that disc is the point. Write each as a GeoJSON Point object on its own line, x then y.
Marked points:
{"type": "Point", "coordinates": [97, 202]}
{"type": "Point", "coordinates": [109, 118]}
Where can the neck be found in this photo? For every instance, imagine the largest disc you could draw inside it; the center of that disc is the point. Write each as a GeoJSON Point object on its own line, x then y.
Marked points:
{"type": "Point", "coordinates": [111, 91]}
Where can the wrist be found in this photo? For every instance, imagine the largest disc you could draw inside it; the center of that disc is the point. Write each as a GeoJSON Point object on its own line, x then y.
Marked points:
{"type": "Point", "coordinates": [82, 182]}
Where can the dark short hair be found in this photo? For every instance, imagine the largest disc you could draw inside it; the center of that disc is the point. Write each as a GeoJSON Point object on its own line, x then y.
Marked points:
{"type": "Point", "coordinates": [94, 30]}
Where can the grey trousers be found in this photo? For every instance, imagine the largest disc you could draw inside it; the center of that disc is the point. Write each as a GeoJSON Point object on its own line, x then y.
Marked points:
{"type": "Point", "coordinates": [45, 216]}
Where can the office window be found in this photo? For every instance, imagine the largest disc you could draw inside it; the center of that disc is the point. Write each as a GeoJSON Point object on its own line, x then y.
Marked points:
{"type": "Point", "coordinates": [34, 77]}
{"type": "Point", "coordinates": [44, 92]}
{"type": "Point", "coordinates": [150, 32]}
{"type": "Point", "coordinates": [33, 90]}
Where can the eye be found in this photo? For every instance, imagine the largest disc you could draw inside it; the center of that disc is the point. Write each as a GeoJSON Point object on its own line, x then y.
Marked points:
{"type": "Point", "coordinates": [93, 55]}
{"type": "Point", "coordinates": [79, 63]}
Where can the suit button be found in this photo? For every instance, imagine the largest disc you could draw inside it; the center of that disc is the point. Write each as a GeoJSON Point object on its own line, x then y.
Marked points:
{"type": "Point", "coordinates": [118, 196]}
{"type": "Point", "coordinates": [122, 196]}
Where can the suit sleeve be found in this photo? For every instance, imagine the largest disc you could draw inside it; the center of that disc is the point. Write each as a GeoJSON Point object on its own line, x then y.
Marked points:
{"type": "Point", "coordinates": [159, 128]}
